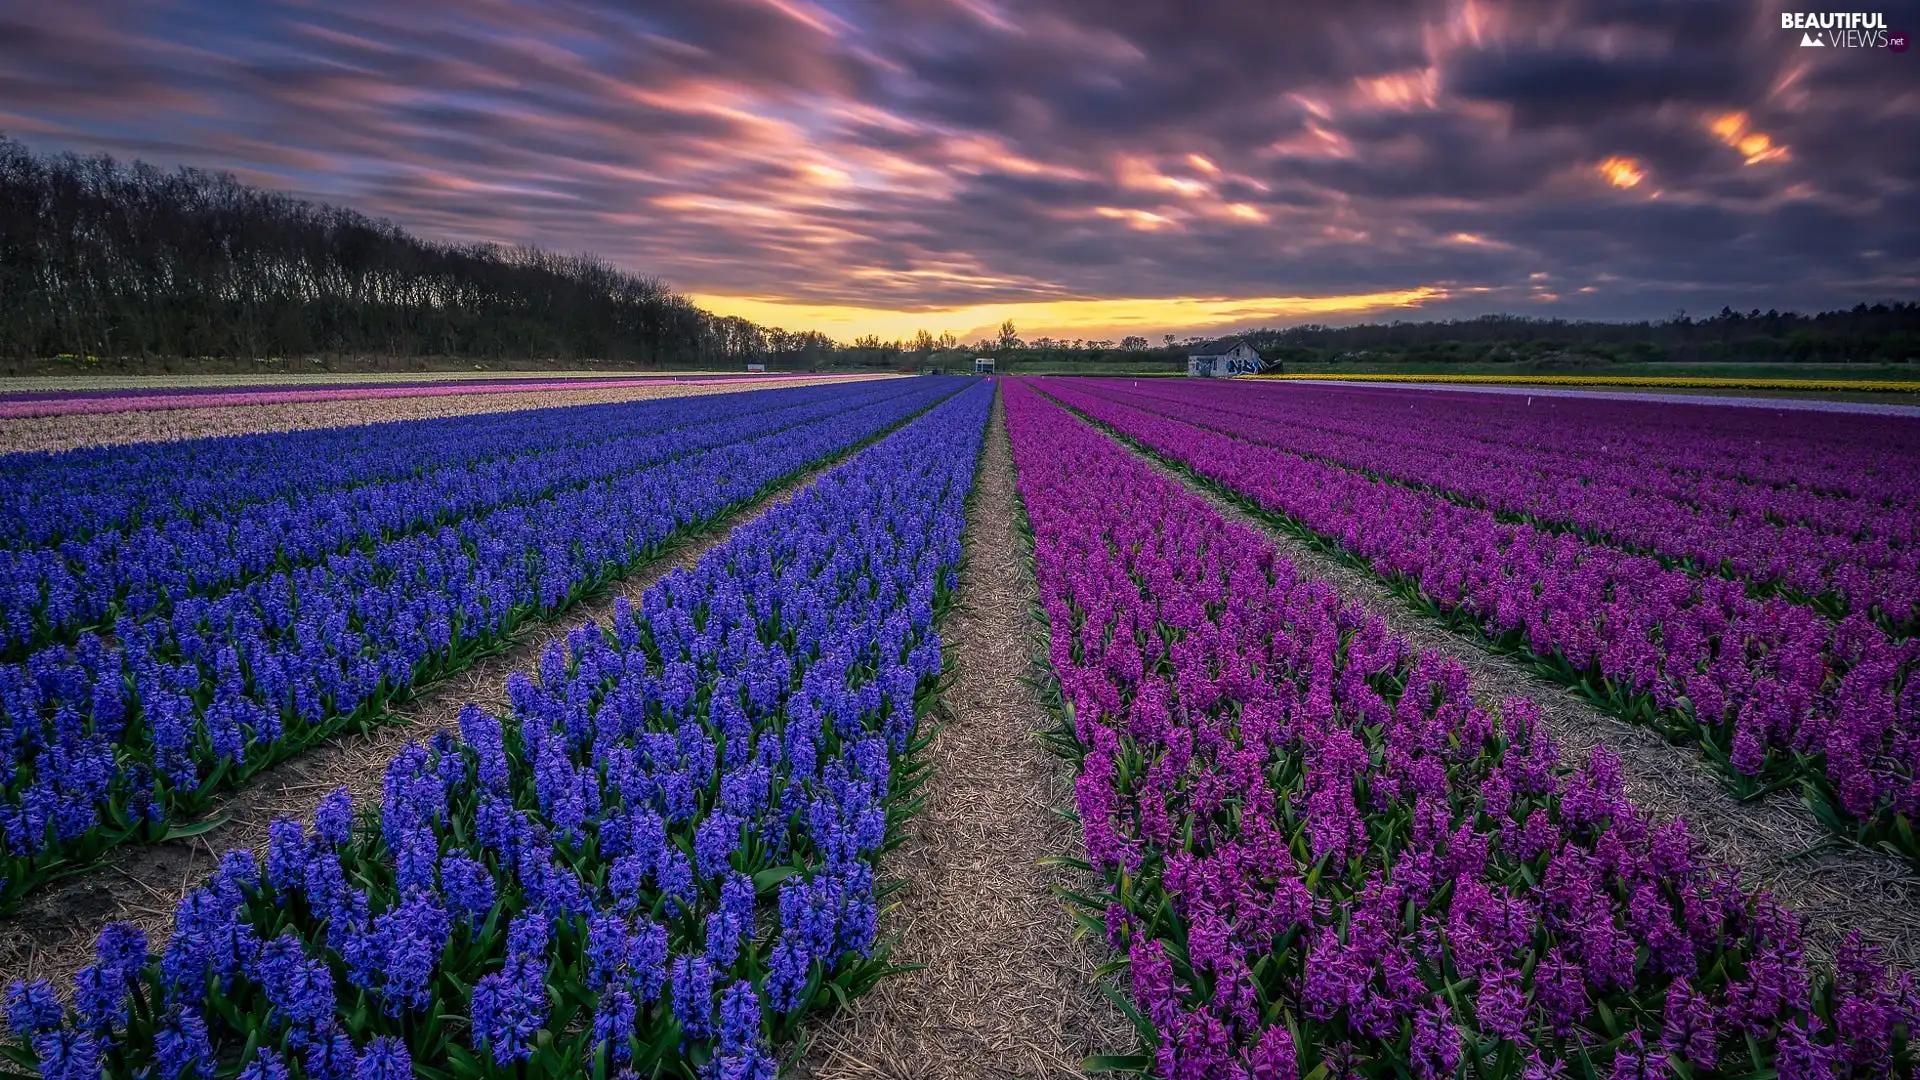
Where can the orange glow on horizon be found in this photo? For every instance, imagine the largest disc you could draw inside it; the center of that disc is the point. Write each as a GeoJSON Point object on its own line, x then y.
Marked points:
{"type": "Point", "coordinates": [1053, 318]}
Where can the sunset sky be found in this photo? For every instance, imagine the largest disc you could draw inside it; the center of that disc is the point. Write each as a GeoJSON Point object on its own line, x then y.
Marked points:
{"type": "Point", "coordinates": [1087, 168]}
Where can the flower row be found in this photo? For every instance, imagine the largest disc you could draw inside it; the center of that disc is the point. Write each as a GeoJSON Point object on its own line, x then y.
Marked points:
{"type": "Point", "coordinates": [231, 397]}
{"type": "Point", "coordinates": [1321, 857]}
{"type": "Point", "coordinates": [50, 496]}
{"type": "Point", "coordinates": [1774, 692]}
{"type": "Point", "coordinates": [660, 862]}
{"type": "Point", "coordinates": [106, 742]}
{"type": "Point", "coordinates": [50, 592]}
{"type": "Point", "coordinates": [1563, 467]}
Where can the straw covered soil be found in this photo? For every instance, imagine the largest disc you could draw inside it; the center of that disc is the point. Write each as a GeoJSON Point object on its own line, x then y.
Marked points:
{"type": "Point", "coordinates": [1775, 843]}
{"type": "Point", "coordinates": [52, 934]}
{"type": "Point", "coordinates": [1008, 988]}
{"type": "Point", "coordinates": [163, 425]}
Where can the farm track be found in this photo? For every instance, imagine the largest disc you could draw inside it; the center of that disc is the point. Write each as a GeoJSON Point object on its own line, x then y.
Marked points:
{"type": "Point", "coordinates": [1774, 842]}
{"type": "Point", "coordinates": [51, 433]}
{"type": "Point", "coordinates": [1008, 989]}
{"type": "Point", "coordinates": [51, 936]}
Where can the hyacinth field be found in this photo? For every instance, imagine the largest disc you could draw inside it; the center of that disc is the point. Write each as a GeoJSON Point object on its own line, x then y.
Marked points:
{"type": "Point", "coordinates": [1756, 597]}
{"type": "Point", "coordinates": [665, 842]}
{"type": "Point", "coordinates": [179, 618]}
{"type": "Point", "coordinates": [1320, 852]}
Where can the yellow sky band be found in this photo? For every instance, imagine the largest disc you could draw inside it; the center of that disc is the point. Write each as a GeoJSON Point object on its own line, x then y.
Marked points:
{"type": "Point", "coordinates": [1096, 319]}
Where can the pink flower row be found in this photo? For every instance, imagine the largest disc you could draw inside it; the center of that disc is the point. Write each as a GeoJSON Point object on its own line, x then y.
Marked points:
{"type": "Point", "coordinates": [1563, 468]}
{"type": "Point", "coordinates": [78, 406]}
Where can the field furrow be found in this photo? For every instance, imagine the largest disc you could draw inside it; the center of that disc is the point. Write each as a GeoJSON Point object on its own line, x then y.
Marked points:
{"type": "Point", "coordinates": [1008, 990]}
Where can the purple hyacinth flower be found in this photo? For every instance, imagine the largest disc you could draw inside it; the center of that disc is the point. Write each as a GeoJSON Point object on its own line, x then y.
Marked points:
{"type": "Point", "coordinates": [32, 1008]}
{"type": "Point", "coordinates": [384, 1059]}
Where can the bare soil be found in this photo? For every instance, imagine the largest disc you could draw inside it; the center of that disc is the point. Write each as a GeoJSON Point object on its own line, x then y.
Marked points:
{"type": "Point", "coordinates": [1008, 989]}
{"type": "Point", "coordinates": [1773, 842]}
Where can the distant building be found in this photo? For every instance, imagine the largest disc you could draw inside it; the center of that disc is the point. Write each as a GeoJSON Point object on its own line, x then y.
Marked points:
{"type": "Point", "coordinates": [756, 369]}
{"type": "Point", "coordinates": [983, 365]}
{"type": "Point", "coordinates": [1220, 359]}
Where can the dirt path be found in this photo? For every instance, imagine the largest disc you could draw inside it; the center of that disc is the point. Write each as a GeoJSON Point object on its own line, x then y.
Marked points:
{"type": "Point", "coordinates": [1774, 842]}
{"type": "Point", "coordinates": [52, 935]}
{"type": "Point", "coordinates": [1008, 990]}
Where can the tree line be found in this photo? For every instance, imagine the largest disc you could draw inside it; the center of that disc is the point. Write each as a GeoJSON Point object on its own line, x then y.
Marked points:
{"type": "Point", "coordinates": [1880, 332]}
{"type": "Point", "coordinates": [104, 259]}
{"type": "Point", "coordinates": [1870, 333]}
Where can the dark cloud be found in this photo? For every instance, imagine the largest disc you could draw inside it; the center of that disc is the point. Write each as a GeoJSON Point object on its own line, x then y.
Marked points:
{"type": "Point", "coordinates": [1557, 85]}
{"type": "Point", "coordinates": [917, 153]}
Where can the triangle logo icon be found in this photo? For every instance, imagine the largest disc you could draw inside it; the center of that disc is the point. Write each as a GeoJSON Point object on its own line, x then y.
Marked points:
{"type": "Point", "coordinates": [1808, 40]}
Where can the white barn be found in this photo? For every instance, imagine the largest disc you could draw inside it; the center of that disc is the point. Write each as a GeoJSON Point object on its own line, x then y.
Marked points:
{"type": "Point", "coordinates": [1220, 359]}
{"type": "Point", "coordinates": [983, 365]}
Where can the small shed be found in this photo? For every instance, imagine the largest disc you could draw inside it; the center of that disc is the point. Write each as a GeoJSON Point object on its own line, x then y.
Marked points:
{"type": "Point", "coordinates": [1220, 359]}
{"type": "Point", "coordinates": [756, 369]}
{"type": "Point", "coordinates": [983, 365]}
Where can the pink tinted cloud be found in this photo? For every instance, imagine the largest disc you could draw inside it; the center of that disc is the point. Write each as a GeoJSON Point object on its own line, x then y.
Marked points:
{"type": "Point", "coordinates": [927, 152]}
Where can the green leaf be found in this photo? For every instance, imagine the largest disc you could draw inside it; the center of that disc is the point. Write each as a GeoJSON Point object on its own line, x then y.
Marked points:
{"type": "Point", "coordinates": [182, 832]}
{"type": "Point", "coordinates": [465, 1065]}
{"type": "Point", "coordinates": [1134, 1063]}
{"type": "Point", "coordinates": [768, 878]}
{"type": "Point", "coordinates": [1148, 1036]}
